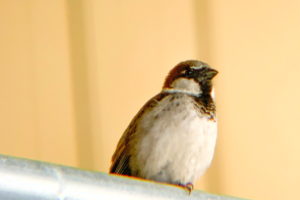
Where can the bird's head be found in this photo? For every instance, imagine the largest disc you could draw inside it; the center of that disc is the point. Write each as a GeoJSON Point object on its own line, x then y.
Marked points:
{"type": "Point", "coordinates": [191, 76]}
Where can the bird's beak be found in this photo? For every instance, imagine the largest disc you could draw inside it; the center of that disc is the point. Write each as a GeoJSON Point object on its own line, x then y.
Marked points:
{"type": "Point", "coordinates": [211, 73]}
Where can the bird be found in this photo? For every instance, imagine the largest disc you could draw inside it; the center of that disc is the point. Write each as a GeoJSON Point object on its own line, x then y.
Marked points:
{"type": "Point", "coordinates": [172, 138]}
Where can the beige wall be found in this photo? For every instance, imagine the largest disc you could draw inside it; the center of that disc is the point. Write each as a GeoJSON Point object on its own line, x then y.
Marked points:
{"type": "Point", "coordinates": [74, 73]}
{"type": "Point", "coordinates": [257, 45]}
{"type": "Point", "coordinates": [36, 106]}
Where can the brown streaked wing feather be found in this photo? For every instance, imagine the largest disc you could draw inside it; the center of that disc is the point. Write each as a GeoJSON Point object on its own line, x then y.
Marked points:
{"type": "Point", "coordinates": [121, 157]}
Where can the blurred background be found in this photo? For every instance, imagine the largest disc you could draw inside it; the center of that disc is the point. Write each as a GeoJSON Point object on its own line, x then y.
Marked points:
{"type": "Point", "coordinates": [74, 73]}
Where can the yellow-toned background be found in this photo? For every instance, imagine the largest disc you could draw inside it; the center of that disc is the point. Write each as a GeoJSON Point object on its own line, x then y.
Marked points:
{"type": "Point", "coordinates": [74, 73]}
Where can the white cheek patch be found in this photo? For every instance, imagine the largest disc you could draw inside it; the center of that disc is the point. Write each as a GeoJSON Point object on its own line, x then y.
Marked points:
{"type": "Point", "coordinates": [212, 93]}
{"type": "Point", "coordinates": [188, 85]}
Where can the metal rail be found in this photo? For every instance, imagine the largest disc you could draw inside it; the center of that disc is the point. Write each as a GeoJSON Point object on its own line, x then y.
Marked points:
{"type": "Point", "coordinates": [23, 179]}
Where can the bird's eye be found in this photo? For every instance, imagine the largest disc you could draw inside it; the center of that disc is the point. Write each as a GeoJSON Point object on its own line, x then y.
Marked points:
{"type": "Point", "coordinates": [189, 72]}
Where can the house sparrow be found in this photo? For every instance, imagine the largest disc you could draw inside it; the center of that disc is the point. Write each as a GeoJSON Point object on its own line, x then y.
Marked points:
{"type": "Point", "coordinates": [172, 138]}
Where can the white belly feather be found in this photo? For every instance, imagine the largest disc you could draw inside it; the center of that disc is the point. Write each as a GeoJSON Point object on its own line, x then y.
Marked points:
{"type": "Point", "coordinates": [178, 144]}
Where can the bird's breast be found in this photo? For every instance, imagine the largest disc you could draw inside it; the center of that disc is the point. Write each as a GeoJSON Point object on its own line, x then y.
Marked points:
{"type": "Point", "coordinates": [176, 142]}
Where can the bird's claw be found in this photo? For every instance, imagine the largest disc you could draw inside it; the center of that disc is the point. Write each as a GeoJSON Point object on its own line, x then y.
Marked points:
{"type": "Point", "coordinates": [189, 187]}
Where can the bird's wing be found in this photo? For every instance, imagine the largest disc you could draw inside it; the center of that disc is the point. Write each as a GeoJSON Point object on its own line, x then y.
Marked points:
{"type": "Point", "coordinates": [121, 157]}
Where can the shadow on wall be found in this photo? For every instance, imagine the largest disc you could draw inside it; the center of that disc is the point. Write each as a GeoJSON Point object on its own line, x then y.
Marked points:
{"type": "Point", "coordinates": [80, 79]}
{"type": "Point", "coordinates": [212, 179]}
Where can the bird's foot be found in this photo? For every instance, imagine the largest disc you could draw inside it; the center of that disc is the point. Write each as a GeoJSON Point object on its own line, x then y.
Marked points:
{"type": "Point", "coordinates": [189, 187]}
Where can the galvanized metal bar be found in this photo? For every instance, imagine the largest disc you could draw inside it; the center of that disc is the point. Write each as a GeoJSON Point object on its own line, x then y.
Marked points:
{"type": "Point", "coordinates": [23, 179]}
